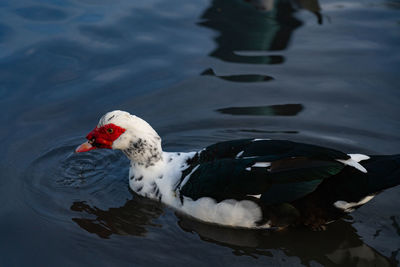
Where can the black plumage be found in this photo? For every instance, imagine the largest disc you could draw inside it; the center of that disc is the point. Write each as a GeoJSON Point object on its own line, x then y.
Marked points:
{"type": "Point", "coordinates": [296, 182]}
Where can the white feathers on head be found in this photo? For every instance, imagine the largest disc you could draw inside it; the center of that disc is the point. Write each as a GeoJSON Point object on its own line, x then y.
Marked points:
{"type": "Point", "coordinates": [136, 129]}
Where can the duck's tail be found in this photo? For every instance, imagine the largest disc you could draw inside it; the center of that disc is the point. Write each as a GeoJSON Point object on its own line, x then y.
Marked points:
{"type": "Point", "coordinates": [349, 190]}
{"type": "Point", "coordinates": [383, 172]}
{"type": "Point", "coordinates": [352, 188]}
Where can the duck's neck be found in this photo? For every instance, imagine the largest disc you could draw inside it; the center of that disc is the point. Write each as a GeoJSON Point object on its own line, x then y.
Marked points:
{"type": "Point", "coordinates": [144, 152]}
{"type": "Point", "coordinates": [158, 180]}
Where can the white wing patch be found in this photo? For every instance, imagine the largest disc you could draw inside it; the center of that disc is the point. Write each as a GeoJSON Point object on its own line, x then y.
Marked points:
{"type": "Point", "coordinates": [359, 157]}
{"type": "Point", "coordinates": [259, 165]}
{"type": "Point", "coordinates": [262, 164]}
{"type": "Point", "coordinates": [239, 154]}
{"type": "Point", "coordinates": [188, 176]}
{"type": "Point", "coordinates": [354, 160]}
{"type": "Point", "coordinates": [256, 196]}
{"type": "Point", "coordinates": [349, 206]}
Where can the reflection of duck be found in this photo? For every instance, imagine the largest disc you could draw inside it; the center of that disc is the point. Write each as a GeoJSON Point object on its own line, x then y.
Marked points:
{"type": "Point", "coordinates": [131, 219]}
{"type": "Point", "coordinates": [247, 183]}
{"type": "Point", "coordinates": [345, 248]}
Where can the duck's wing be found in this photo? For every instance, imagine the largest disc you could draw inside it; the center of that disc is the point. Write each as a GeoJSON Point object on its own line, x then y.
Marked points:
{"type": "Point", "coordinates": [273, 149]}
{"type": "Point", "coordinates": [287, 171]}
{"type": "Point", "coordinates": [272, 182]}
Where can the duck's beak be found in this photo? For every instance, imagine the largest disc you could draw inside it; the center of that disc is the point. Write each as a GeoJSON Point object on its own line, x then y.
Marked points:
{"type": "Point", "coordinates": [85, 147]}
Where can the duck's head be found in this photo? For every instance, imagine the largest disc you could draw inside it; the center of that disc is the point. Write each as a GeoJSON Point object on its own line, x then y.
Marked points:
{"type": "Point", "coordinates": [120, 130]}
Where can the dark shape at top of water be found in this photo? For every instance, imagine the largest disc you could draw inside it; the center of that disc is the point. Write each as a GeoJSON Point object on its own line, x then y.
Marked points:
{"type": "Point", "coordinates": [240, 77]}
{"type": "Point", "coordinates": [243, 28]}
{"type": "Point", "coordinates": [40, 13]}
{"type": "Point", "coordinates": [273, 110]}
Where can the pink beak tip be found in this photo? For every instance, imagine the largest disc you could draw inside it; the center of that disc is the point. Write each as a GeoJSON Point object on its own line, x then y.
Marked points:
{"type": "Point", "coordinates": [84, 147]}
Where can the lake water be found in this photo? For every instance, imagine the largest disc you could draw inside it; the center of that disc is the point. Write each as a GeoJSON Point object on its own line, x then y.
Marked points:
{"type": "Point", "coordinates": [199, 71]}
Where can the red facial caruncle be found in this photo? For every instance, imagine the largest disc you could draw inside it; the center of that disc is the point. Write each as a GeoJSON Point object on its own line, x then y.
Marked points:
{"type": "Point", "coordinates": [101, 137]}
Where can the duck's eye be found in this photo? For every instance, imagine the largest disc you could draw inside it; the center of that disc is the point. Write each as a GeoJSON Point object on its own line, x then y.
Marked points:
{"type": "Point", "coordinates": [110, 130]}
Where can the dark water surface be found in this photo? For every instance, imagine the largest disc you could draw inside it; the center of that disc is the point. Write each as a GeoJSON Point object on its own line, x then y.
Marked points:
{"type": "Point", "coordinates": [199, 71]}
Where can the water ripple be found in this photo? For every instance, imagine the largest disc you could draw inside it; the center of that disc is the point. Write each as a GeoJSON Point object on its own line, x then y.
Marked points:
{"type": "Point", "coordinates": [59, 177]}
{"type": "Point", "coordinates": [272, 110]}
{"type": "Point", "coordinates": [240, 77]}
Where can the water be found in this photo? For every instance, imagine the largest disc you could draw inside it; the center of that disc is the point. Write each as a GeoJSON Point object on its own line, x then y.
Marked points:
{"type": "Point", "coordinates": [199, 72]}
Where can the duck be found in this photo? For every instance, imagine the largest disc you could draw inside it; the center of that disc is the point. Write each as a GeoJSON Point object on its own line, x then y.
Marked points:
{"type": "Point", "coordinates": [246, 183]}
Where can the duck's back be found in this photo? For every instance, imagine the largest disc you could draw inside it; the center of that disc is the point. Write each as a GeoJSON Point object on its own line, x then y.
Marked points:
{"type": "Point", "coordinates": [279, 176]}
{"type": "Point", "coordinates": [278, 171]}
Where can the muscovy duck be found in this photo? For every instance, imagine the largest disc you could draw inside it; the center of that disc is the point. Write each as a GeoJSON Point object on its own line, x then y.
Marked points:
{"type": "Point", "coordinates": [249, 183]}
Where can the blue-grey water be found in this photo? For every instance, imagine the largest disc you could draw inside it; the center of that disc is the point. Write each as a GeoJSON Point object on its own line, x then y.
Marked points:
{"type": "Point", "coordinates": [200, 71]}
